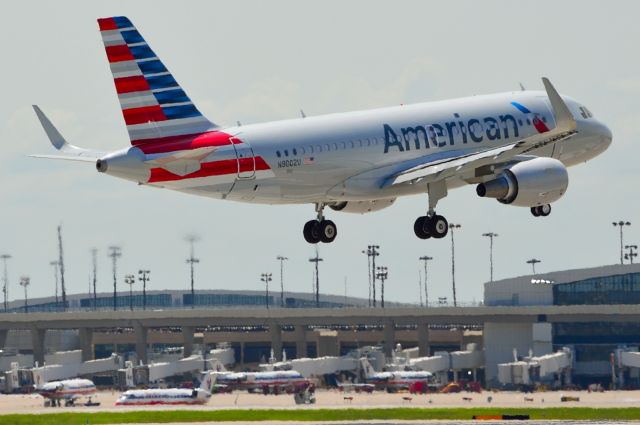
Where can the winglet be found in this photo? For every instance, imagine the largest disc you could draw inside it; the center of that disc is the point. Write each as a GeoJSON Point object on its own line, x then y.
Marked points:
{"type": "Point", "coordinates": [563, 116]}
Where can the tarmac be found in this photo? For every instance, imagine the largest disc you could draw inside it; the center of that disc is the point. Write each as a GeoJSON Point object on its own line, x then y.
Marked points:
{"type": "Point", "coordinates": [34, 403]}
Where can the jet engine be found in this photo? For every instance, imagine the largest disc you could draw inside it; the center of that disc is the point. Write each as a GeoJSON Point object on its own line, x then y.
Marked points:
{"type": "Point", "coordinates": [529, 183]}
{"type": "Point", "coordinates": [361, 207]}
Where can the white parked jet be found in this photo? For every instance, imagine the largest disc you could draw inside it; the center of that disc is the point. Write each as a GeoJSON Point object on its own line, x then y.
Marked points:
{"type": "Point", "coordinates": [68, 390]}
{"type": "Point", "coordinates": [514, 146]}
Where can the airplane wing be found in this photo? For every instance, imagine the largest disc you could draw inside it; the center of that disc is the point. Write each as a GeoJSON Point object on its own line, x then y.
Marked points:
{"type": "Point", "coordinates": [435, 170]}
{"type": "Point", "coordinates": [68, 151]}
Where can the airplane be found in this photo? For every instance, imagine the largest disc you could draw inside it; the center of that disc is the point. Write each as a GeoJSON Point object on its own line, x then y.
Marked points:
{"type": "Point", "coordinates": [154, 396]}
{"type": "Point", "coordinates": [275, 382]}
{"type": "Point", "coordinates": [393, 381]}
{"type": "Point", "coordinates": [68, 390]}
{"type": "Point", "coordinates": [514, 146]}
{"type": "Point", "coordinates": [163, 396]}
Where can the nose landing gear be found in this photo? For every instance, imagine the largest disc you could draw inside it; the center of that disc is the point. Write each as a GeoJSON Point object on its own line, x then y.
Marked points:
{"type": "Point", "coordinates": [541, 210]}
{"type": "Point", "coordinates": [320, 230]}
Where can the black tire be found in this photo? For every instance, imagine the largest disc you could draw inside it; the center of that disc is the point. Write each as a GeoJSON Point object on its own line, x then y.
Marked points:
{"type": "Point", "coordinates": [535, 212]}
{"type": "Point", "coordinates": [438, 226]}
{"type": "Point", "coordinates": [419, 228]}
{"type": "Point", "coordinates": [310, 232]}
{"type": "Point", "coordinates": [544, 210]}
{"type": "Point", "coordinates": [328, 231]}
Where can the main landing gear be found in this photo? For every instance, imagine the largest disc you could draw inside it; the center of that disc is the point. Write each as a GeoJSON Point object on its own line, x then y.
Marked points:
{"type": "Point", "coordinates": [431, 226]}
{"type": "Point", "coordinates": [320, 230]}
{"type": "Point", "coordinates": [541, 210]}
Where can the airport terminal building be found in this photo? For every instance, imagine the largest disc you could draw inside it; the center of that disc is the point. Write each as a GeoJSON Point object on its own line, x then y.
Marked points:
{"type": "Point", "coordinates": [592, 342]}
{"type": "Point", "coordinates": [592, 311]}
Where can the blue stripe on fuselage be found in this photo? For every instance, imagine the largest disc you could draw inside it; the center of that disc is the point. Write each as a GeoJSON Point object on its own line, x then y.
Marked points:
{"type": "Point", "coordinates": [521, 107]}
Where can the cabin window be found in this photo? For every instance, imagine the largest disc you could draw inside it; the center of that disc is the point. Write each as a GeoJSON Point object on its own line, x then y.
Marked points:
{"type": "Point", "coordinates": [318, 148]}
{"type": "Point", "coordinates": [344, 145]}
{"type": "Point", "coordinates": [528, 121]}
{"type": "Point", "coordinates": [327, 147]}
{"type": "Point", "coordinates": [295, 152]}
{"type": "Point", "coordinates": [353, 145]}
{"type": "Point", "coordinates": [286, 152]}
{"type": "Point", "coordinates": [278, 154]}
{"type": "Point", "coordinates": [335, 146]}
{"type": "Point", "coordinates": [310, 149]}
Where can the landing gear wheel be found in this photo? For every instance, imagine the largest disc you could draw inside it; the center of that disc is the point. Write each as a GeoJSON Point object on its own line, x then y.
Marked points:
{"type": "Point", "coordinates": [544, 210]}
{"type": "Point", "coordinates": [327, 230]}
{"type": "Point", "coordinates": [437, 226]}
{"type": "Point", "coordinates": [419, 228]}
{"type": "Point", "coordinates": [541, 210]}
{"type": "Point", "coordinates": [311, 231]}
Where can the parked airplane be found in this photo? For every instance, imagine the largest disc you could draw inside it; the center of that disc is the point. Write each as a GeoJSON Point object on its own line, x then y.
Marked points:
{"type": "Point", "coordinates": [276, 382]}
{"type": "Point", "coordinates": [514, 146]}
{"type": "Point", "coordinates": [394, 380]}
{"type": "Point", "coordinates": [68, 390]}
{"type": "Point", "coordinates": [199, 395]}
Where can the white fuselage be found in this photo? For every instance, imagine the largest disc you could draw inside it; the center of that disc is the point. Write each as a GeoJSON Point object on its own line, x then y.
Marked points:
{"type": "Point", "coordinates": [348, 156]}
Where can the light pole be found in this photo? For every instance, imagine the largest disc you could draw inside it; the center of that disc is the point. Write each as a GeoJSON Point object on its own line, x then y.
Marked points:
{"type": "Point", "coordinates": [621, 224]}
{"type": "Point", "coordinates": [383, 274]}
{"type": "Point", "coordinates": [130, 279]}
{"type": "Point", "coordinates": [632, 252]}
{"type": "Point", "coordinates": [490, 235]}
{"type": "Point", "coordinates": [372, 252]}
{"type": "Point", "coordinates": [533, 263]}
{"type": "Point", "coordinates": [63, 288]}
{"type": "Point", "coordinates": [115, 253]}
{"type": "Point", "coordinates": [368, 272]}
{"type": "Point", "coordinates": [452, 227]}
{"type": "Point", "coordinates": [94, 258]}
{"type": "Point", "coordinates": [426, 259]}
{"type": "Point", "coordinates": [266, 278]}
{"type": "Point", "coordinates": [5, 286]}
{"type": "Point", "coordinates": [317, 260]}
{"type": "Point", "coordinates": [282, 260]}
{"type": "Point", "coordinates": [24, 282]}
{"type": "Point", "coordinates": [143, 276]}
{"type": "Point", "coordinates": [55, 274]}
{"type": "Point", "coordinates": [191, 261]}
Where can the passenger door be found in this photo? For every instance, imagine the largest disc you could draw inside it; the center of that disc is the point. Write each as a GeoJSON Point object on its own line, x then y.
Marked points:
{"type": "Point", "coordinates": [246, 159]}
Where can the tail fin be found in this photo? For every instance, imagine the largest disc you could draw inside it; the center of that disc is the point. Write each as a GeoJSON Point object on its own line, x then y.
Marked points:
{"type": "Point", "coordinates": [153, 104]}
{"type": "Point", "coordinates": [367, 369]}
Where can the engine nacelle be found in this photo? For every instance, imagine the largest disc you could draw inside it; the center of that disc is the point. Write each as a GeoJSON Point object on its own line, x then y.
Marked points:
{"type": "Point", "coordinates": [362, 207]}
{"type": "Point", "coordinates": [530, 183]}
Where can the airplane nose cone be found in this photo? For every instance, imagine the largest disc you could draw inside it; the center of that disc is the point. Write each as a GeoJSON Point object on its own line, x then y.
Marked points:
{"type": "Point", "coordinates": [605, 135]}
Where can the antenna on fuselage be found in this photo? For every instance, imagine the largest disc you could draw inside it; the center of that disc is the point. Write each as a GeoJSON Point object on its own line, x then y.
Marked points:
{"type": "Point", "coordinates": [303, 114]}
{"type": "Point", "coordinates": [522, 87]}
{"type": "Point", "coordinates": [239, 123]}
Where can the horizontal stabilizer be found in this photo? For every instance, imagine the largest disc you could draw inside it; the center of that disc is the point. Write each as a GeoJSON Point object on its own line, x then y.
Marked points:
{"type": "Point", "coordinates": [68, 151]}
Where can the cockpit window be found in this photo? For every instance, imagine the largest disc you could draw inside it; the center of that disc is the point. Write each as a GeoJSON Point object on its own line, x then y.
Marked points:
{"type": "Point", "coordinates": [585, 112]}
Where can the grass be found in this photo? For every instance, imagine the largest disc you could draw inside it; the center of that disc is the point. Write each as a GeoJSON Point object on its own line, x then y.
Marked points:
{"type": "Point", "coordinates": [324, 415]}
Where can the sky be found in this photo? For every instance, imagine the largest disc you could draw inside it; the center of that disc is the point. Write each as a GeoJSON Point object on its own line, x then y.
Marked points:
{"type": "Point", "coordinates": [261, 61]}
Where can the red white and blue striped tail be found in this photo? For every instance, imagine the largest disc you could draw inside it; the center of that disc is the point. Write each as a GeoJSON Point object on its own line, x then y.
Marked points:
{"type": "Point", "coordinates": [154, 106]}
